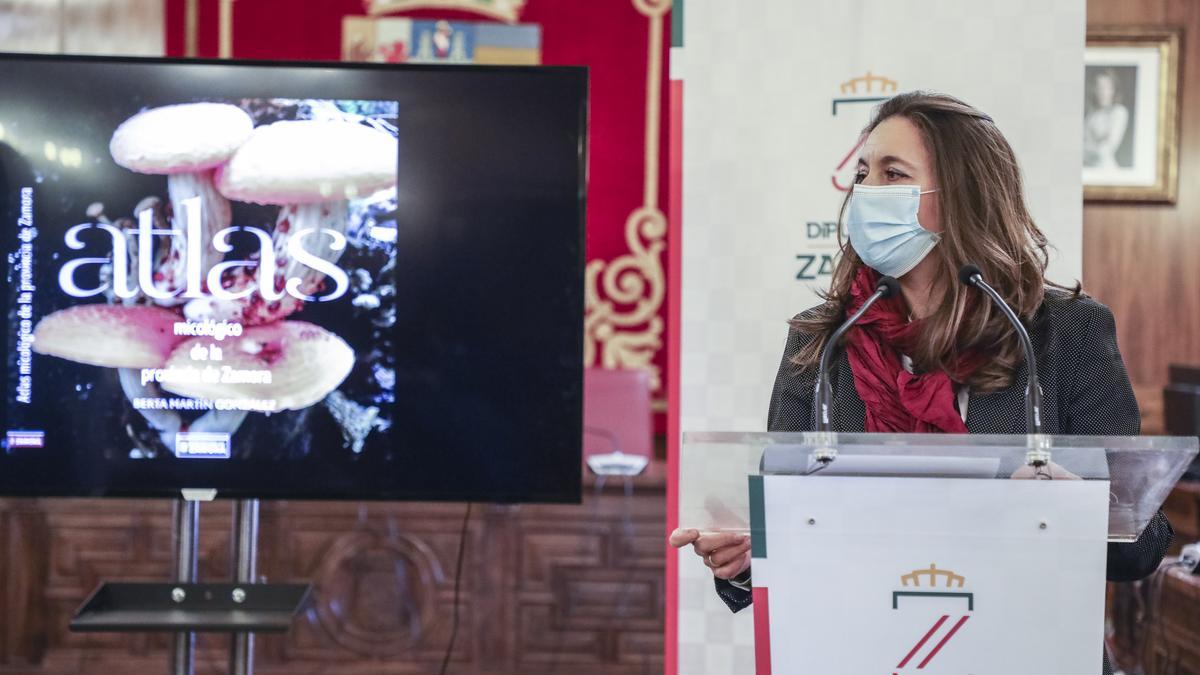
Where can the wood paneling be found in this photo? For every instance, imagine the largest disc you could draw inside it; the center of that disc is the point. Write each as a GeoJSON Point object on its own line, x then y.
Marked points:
{"type": "Point", "coordinates": [545, 588]}
{"type": "Point", "coordinates": [1140, 260]}
{"type": "Point", "coordinates": [1173, 649]}
{"type": "Point", "coordinates": [1183, 510]}
{"type": "Point", "coordinates": [1155, 623]}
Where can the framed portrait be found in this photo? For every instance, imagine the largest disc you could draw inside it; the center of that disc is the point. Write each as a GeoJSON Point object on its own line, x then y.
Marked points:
{"type": "Point", "coordinates": [1131, 115]}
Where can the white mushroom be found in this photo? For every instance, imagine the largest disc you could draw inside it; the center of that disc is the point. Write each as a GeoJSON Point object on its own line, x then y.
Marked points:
{"type": "Point", "coordinates": [108, 335]}
{"type": "Point", "coordinates": [184, 142]}
{"type": "Point", "coordinates": [128, 339]}
{"type": "Point", "coordinates": [303, 364]}
{"type": "Point", "coordinates": [311, 168]}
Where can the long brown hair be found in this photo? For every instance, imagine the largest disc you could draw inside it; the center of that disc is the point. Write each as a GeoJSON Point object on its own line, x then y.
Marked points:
{"type": "Point", "coordinates": [984, 221]}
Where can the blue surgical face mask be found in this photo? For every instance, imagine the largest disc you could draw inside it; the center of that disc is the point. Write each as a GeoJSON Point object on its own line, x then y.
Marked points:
{"type": "Point", "coordinates": [883, 227]}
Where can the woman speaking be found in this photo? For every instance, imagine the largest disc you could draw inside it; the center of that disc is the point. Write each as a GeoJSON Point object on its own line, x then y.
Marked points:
{"type": "Point", "coordinates": [938, 187]}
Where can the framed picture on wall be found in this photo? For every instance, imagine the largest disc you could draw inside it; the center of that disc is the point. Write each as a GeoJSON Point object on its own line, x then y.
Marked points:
{"type": "Point", "coordinates": [1131, 115]}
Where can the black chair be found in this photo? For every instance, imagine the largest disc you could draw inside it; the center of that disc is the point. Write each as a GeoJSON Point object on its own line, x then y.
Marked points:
{"type": "Point", "coordinates": [1181, 407]}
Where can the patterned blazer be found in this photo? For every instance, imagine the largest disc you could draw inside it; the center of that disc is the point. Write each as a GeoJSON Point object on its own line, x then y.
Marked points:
{"type": "Point", "coordinates": [1085, 390]}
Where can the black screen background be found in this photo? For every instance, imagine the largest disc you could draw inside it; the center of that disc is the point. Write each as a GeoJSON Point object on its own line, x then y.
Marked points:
{"type": "Point", "coordinates": [489, 273]}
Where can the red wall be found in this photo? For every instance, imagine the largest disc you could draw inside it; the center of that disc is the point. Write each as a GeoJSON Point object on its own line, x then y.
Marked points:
{"type": "Point", "coordinates": [610, 37]}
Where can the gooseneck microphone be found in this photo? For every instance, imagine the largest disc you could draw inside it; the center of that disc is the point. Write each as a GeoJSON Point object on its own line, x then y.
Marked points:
{"type": "Point", "coordinates": [886, 287]}
{"type": "Point", "coordinates": [970, 275]}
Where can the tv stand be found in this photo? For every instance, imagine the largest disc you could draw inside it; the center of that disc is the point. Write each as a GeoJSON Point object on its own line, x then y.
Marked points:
{"type": "Point", "coordinates": [186, 607]}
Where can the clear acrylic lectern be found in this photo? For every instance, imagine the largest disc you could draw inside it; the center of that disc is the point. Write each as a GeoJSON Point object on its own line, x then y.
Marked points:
{"type": "Point", "coordinates": [927, 553]}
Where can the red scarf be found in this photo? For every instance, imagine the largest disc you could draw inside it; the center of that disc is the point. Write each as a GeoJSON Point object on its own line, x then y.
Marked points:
{"type": "Point", "coordinates": [896, 400]}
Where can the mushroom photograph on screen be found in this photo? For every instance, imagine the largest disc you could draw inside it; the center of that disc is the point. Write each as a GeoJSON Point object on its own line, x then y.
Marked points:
{"type": "Point", "coordinates": [197, 298]}
{"type": "Point", "coordinates": [291, 279]}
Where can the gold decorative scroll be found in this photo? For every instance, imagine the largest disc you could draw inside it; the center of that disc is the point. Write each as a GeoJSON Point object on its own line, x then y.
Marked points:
{"type": "Point", "coordinates": [622, 328]}
{"type": "Point", "coordinates": [504, 10]}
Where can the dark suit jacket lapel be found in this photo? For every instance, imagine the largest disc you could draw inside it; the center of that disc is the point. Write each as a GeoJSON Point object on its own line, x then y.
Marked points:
{"type": "Point", "coordinates": [849, 412]}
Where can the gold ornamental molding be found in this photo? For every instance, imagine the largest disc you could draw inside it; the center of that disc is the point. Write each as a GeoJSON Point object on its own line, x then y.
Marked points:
{"type": "Point", "coordinates": [191, 29]}
{"type": "Point", "coordinates": [504, 10]}
{"type": "Point", "coordinates": [622, 328]}
{"type": "Point", "coordinates": [225, 34]}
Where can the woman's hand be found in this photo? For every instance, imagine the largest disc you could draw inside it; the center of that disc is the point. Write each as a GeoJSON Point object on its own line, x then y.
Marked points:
{"type": "Point", "coordinates": [727, 554]}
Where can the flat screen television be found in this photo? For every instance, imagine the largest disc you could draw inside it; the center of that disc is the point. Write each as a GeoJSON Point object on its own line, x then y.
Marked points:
{"type": "Point", "coordinates": [291, 279]}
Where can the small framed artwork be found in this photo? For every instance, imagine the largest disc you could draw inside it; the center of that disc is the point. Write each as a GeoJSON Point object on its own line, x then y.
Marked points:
{"type": "Point", "coordinates": [1131, 115]}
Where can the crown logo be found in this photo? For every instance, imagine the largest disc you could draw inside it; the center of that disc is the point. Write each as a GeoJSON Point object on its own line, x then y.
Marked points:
{"type": "Point", "coordinates": [868, 82]}
{"type": "Point", "coordinates": [933, 573]}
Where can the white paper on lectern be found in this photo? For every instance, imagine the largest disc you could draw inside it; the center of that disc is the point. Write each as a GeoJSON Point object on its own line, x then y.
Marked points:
{"type": "Point", "coordinates": [1033, 598]}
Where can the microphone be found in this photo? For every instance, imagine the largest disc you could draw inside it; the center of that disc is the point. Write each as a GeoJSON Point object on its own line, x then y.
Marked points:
{"type": "Point", "coordinates": [970, 275]}
{"type": "Point", "coordinates": [886, 287]}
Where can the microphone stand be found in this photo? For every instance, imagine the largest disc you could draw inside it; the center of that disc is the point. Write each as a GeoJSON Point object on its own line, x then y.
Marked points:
{"type": "Point", "coordinates": [1038, 454]}
{"type": "Point", "coordinates": [823, 398]}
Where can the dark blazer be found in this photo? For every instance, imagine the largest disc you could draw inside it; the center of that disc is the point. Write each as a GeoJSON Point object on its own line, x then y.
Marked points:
{"type": "Point", "coordinates": [1085, 390]}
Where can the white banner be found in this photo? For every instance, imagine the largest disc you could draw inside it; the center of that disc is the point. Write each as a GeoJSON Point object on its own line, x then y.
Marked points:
{"type": "Point", "coordinates": [775, 95]}
{"type": "Point", "coordinates": [924, 575]}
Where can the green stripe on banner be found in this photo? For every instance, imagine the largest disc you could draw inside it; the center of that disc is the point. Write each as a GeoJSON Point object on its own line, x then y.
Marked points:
{"type": "Point", "coordinates": [677, 23]}
{"type": "Point", "coordinates": [758, 519]}
{"type": "Point", "coordinates": [896, 595]}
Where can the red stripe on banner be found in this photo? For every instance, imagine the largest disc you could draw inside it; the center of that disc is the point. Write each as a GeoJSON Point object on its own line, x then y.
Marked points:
{"type": "Point", "coordinates": [674, 269]}
{"type": "Point", "coordinates": [762, 632]}
{"type": "Point", "coordinates": [946, 639]}
{"type": "Point", "coordinates": [925, 639]}
{"type": "Point", "coordinates": [861, 139]}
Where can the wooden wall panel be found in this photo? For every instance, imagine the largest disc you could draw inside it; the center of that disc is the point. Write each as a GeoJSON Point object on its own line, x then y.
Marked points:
{"type": "Point", "coordinates": [545, 588]}
{"type": "Point", "coordinates": [1155, 623]}
{"type": "Point", "coordinates": [1141, 260]}
{"type": "Point", "coordinates": [22, 574]}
